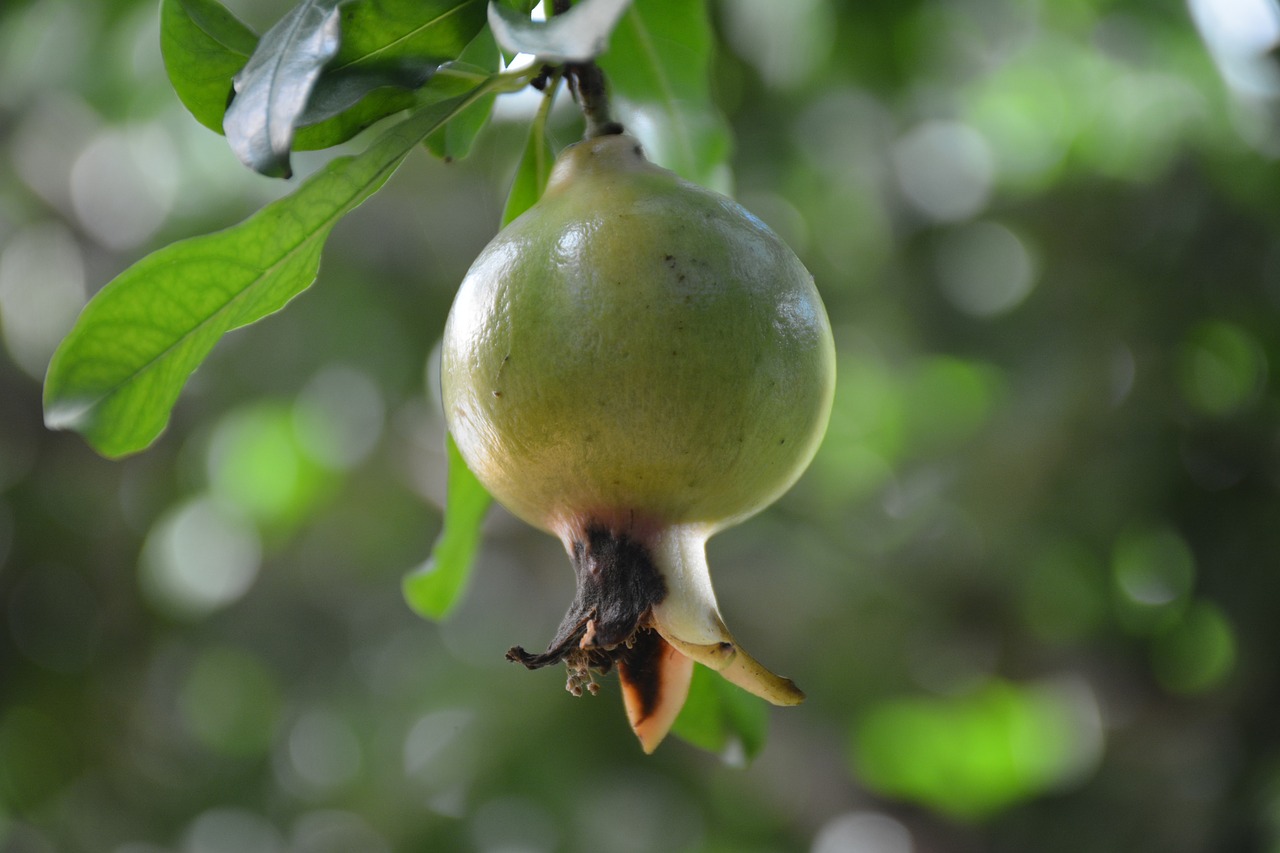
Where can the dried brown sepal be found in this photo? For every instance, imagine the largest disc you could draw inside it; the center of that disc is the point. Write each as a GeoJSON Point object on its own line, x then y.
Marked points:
{"type": "Point", "coordinates": [655, 683]}
{"type": "Point", "coordinates": [617, 588]}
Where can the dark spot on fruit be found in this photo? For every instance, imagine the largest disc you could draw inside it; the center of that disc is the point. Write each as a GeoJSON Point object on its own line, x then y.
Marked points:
{"type": "Point", "coordinates": [497, 393]}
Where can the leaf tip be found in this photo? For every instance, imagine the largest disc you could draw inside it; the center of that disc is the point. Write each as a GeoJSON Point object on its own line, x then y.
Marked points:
{"type": "Point", "coordinates": [420, 588]}
{"type": "Point", "coordinates": [77, 414]}
{"type": "Point", "coordinates": [65, 413]}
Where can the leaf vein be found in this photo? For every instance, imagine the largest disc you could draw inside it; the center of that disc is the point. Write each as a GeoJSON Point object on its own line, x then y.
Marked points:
{"type": "Point", "coordinates": [407, 36]}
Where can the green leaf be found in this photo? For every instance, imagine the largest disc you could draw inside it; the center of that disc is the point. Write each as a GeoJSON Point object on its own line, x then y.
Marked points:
{"type": "Point", "coordinates": [454, 140]}
{"type": "Point", "coordinates": [658, 65]}
{"type": "Point", "coordinates": [389, 33]}
{"type": "Point", "coordinates": [203, 46]}
{"type": "Point", "coordinates": [578, 35]}
{"type": "Point", "coordinates": [433, 590]}
{"type": "Point", "coordinates": [337, 92]}
{"type": "Point", "coordinates": [524, 7]}
{"type": "Point", "coordinates": [389, 49]}
{"type": "Point", "coordinates": [535, 163]}
{"type": "Point", "coordinates": [116, 376]}
{"type": "Point", "coordinates": [389, 43]}
{"type": "Point", "coordinates": [274, 86]}
{"type": "Point", "coordinates": [720, 717]}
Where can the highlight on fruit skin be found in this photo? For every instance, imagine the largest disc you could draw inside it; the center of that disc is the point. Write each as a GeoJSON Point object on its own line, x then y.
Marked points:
{"type": "Point", "coordinates": [633, 365]}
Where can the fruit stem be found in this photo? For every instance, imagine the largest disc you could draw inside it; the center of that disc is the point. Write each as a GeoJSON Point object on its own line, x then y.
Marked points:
{"type": "Point", "coordinates": [593, 96]}
{"type": "Point", "coordinates": [590, 90]}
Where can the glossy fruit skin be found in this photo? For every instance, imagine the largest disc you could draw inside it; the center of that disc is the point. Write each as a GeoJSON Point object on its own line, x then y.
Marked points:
{"type": "Point", "coordinates": [636, 347]}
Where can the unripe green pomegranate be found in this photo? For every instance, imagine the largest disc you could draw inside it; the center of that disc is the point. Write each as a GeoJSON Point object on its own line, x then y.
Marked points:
{"type": "Point", "coordinates": [632, 365]}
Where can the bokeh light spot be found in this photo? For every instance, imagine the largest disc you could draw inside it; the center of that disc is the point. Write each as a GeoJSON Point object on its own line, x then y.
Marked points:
{"type": "Point", "coordinates": [984, 269]}
{"type": "Point", "coordinates": [198, 558]}
{"type": "Point", "coordinates": [435, 746]}
{"type": "Point", "coordinates": [338, 417]}
{"type": "Point", "coordinates": [946, 402]}
{"type": "Point", "coordinates": [1241, 34]}
{"type": "Point", "coordinates": [47, 141]}
{"type": "Point", "coordinates": [1025, 114]}
{"type": "Point", "coordinates": [333, 831]}
{"type": "Point", "coordinates": [1064, 593]}
{"type": "Point", "coordinates": [231, 831]}
{"type": "Point", "coordinates": [1198, 652]}
{"type": "Point", "coordinates": [514, 824]}
{"type": "Point", "coordinates": [945, 170]}
{"type": "Point", "coordinates": [324, 750]}
{"type": "Point", "coordinates": [616, 816]}
{"type": "Point", "coordinates": [123, 185]}
{"type": "Point", "coordinates": [42, 288]}
{"type": "Point", "coordinates": [257, 463]}
{"type": "Point", "coordinates": [863, 832]}
{"type": "Point", "coordinates": [230, 702]}
{"type": "Point", "coordinates": [786, 42]}
{"type": "Point", "coordinates": [1222, 368]}
{"type": "Point", "coordinates": [865, 436]}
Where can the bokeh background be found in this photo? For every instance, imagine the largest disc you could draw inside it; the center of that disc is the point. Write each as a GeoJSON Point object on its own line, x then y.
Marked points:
{"type": "Point", "coordinates": [1031, 584]}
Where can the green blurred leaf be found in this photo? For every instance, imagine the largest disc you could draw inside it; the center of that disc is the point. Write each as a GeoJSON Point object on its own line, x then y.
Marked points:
{"type": "Point", "coordinates": [658, 65]}
{"type": "Point", "coordinates": [974, 755]}
{"type": "Point", "coordinates": [118, 373]}
{"type": "Point", "coordinates": [1153, 573]}
{"type": "Point", "coordinates": [719, 716]}
{"type": "Point", "coordinates": [535, 163]}
{"type": "Point", "coordinates": [433, 590]}
{"type": "Point", "coordinates": [274, 86]}
{"type": "Point", "coordinates": [578, 35]}
{"type": "Point", "coordinates": [203, 46]}
{"type": "Point", "coordinates": [454, 140]}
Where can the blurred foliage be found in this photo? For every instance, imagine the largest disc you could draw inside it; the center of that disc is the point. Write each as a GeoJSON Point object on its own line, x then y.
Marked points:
{"type": "Point", "coordinates": [1029, 584]}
